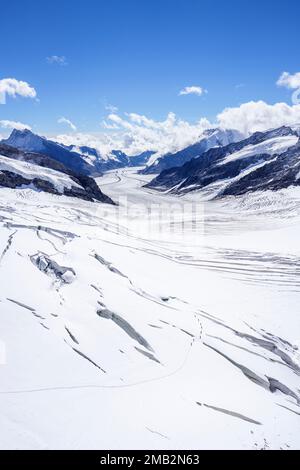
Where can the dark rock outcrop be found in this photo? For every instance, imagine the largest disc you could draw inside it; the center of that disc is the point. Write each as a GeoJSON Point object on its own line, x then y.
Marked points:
{"type": "Point", "coordinates": [274, 171]}
{"type": "Point", "coordinates": [83, 160]}
{"type": "Point", "coordinates": [88, 190]}
{"type": "Point", "coordinates": [282, 172]}
{"type": "Point", "coordinates": [211, 138]}
{"type": "Point", "coordinates": [33, 157]}
{"type": "Point", "coordinates": [27, 141]}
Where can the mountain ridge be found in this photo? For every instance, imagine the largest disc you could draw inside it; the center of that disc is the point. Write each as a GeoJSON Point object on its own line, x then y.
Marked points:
{"type": "Point", "coordinates": [25, 173]}
{"type": "Point", "coordinates": [223, 164]}
{"type": "Point", "coordinates": [211, 138]}
{"type": "Point", "coordinates": [80, 159]}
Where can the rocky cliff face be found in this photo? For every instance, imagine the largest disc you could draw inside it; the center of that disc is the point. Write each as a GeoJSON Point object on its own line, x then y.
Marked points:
{"type": "Point", "coordinates": [26, 169]}
{"type": "Point", "coordinates": [266, 160]}
{"type": "Point", "coordinates": [79, 159]}
{"type": "Point", "coordinates": [210, 138]}
{"type": "Point", "coordinates": [27, 141]}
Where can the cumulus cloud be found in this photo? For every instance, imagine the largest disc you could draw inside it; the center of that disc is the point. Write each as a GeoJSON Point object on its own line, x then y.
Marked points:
{"type": "Point", "coordinates": [103, 142]}
{"type": "Point", "coordinates": [258, 116]}
{"type": "Point", "coordinates": [13, 87]}
{"type": "Point", "coordinates": [14, 125]}
{"type": "Point", "coordinates": [66, 121]}
{"type": "Point", "coordinates": [137, 133]}
{"type": "Point", "coordinates": [290, 81]}
{"type": "Point", "coordinates": [57, 59]}
{"type": "Point", "coordinates": [140, 132]}
{"type": "Point", "coordinates": [134, 133]}
{"type": "Point", "coordinates": [192, 90]}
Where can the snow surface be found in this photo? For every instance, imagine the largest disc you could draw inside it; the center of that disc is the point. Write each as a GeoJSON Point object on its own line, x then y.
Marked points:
{"type": "Point", "coordinates": [30, 171]}
{"type": "Point", "coordinates": [277, 145]}
{"type": "Point", "coordinates": [91, 158]}
{"type": "Point", "coordinates": [120, 336]}
{"type": "Point", "coordinates": [212, 137]}
{"type": "Point", "coordinates": [216, 188]}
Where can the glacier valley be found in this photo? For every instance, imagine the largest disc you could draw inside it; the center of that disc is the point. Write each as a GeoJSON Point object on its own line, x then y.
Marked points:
{"type": "Point", "coordinates": [114, 335]}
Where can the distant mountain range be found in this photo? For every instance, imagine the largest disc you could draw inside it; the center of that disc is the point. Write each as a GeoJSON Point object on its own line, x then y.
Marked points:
{"type": "Point", "coordinates": [67, 170]}
{"type": "Point", "coordinates": [27, 141]}
{"type": "Point", "coordinates": [265, 160]}
{"type": "Point", "coordinates": [116, 159]}
{"type": "Point", "coordinates": [210, 138]}
{"type": "Point", "coordinates": [81, 160]}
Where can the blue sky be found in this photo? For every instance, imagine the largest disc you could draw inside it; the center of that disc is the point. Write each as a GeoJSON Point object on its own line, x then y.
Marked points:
{"type": "Point", "coordinates": [138, 55]}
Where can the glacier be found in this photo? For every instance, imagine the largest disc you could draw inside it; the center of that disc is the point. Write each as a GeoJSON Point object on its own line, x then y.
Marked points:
{"type": "Point", "coordinates": [114, 336]}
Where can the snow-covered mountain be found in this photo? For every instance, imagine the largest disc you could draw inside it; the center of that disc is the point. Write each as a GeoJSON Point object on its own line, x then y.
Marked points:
{"type": "Point", "coordinates": [34, 158]}
{"type": "Point", "coordinates": [265, 160]}
{"type": "Point", "coordinates": [210, 138]}
{"type": "Point", "coordinates": [19, 169]}
{"type": "Point", "coordinates": [80, 159]}
{"type": "Point", "coordinates": [116, 158]}
{"type": "Point", "coordinates": [29, 142]}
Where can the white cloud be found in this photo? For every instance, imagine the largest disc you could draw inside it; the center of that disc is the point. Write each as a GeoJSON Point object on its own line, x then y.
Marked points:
{"type": "Point", "coordinates": [57, 59]}
{"type": "Point", "coordinates": [192, 90]}
{"type": "Point", "coordinates": [289, 81]}
{"type": "Point", "coordinates": [14, 125]}
{"type": "Point", "coordinates": [101, 141]}
{"type": "Point", "coordinates": [13, 87]}
{"type": "Point", "coordinates": [66, 121]}
{"type": "Point", "coordinates": [258, 116]}
{"type": "Point", "coordinates": [135, 133]}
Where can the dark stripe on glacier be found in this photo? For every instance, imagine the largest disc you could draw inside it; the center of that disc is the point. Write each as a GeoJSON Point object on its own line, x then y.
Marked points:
{"type": "Point", "coordinates": [230, 413]}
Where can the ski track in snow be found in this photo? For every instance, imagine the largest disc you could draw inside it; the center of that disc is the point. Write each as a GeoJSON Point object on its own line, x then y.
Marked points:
{"type": "Point", "coordinates": [170, 344]}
